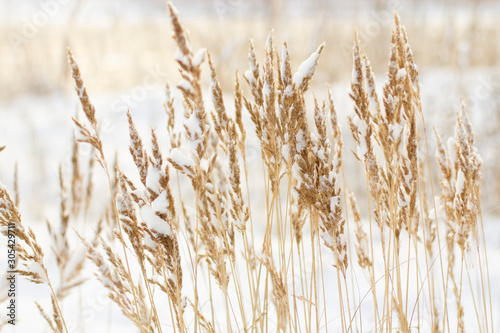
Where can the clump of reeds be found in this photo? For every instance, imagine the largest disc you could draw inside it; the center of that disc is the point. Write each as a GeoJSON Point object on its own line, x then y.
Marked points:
{"type": "Point", "coordinates": [215, 257]}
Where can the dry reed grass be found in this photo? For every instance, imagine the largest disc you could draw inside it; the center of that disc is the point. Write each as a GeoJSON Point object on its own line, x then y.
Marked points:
{"type": "Point", "coordinates": [269, 286]}
{"type": "Point", "coordinates": [120, 54]}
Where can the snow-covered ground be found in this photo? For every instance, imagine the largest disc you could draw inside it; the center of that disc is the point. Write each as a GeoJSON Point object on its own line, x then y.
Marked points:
{"type": "Point", "coordinates": [37, 132]}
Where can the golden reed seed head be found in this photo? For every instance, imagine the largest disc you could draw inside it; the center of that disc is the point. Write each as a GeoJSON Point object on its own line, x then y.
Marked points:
{"type": "Point", "coordinates": [88, 108]}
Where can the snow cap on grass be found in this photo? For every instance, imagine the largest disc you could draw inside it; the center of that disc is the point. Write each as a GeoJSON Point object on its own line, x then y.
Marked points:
{"type": "Point", "coordinates": [193, 125]}
{"type": "Point", "coordinates": [154, 222]}
{"type": "Point", "coordinates": [186, 86]}
{"type": "Point", "coordinates": [307, 68]}
{"type": "Point", "coordinates": [250, 78]}
{"type": "Point", "coordinates": [300, 141]}
{"type": "Point", "coordinates": [153, 179]}
{"type": "Point", "coordinates": [199, 57]}
{"type": "Point", "coordinates": [160, 204]}
{"type": "Point", "coordinates": [401, 74]}
{"type": "Point", "coordinates": [181, 159]}
{"type": "Point", "coordinates": [182, 59]}
{"type": "Point", "coordinates": [328, 239]}
{"type": "Point", "coordinates": [460, 183]}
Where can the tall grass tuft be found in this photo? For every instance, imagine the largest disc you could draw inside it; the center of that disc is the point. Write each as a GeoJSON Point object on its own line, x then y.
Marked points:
{"type": "Point", "coordinates": [305, 257]}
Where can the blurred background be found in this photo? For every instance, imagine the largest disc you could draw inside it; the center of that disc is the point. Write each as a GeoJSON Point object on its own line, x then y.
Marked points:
{"type": "Point", "coordinates": [118, 41]}
{"type": "Point", "coordinates": [125, 52]}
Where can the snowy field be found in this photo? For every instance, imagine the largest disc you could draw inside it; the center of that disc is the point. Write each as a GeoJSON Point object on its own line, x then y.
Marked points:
{"type": "Point", "coordinates": [37, 130]}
